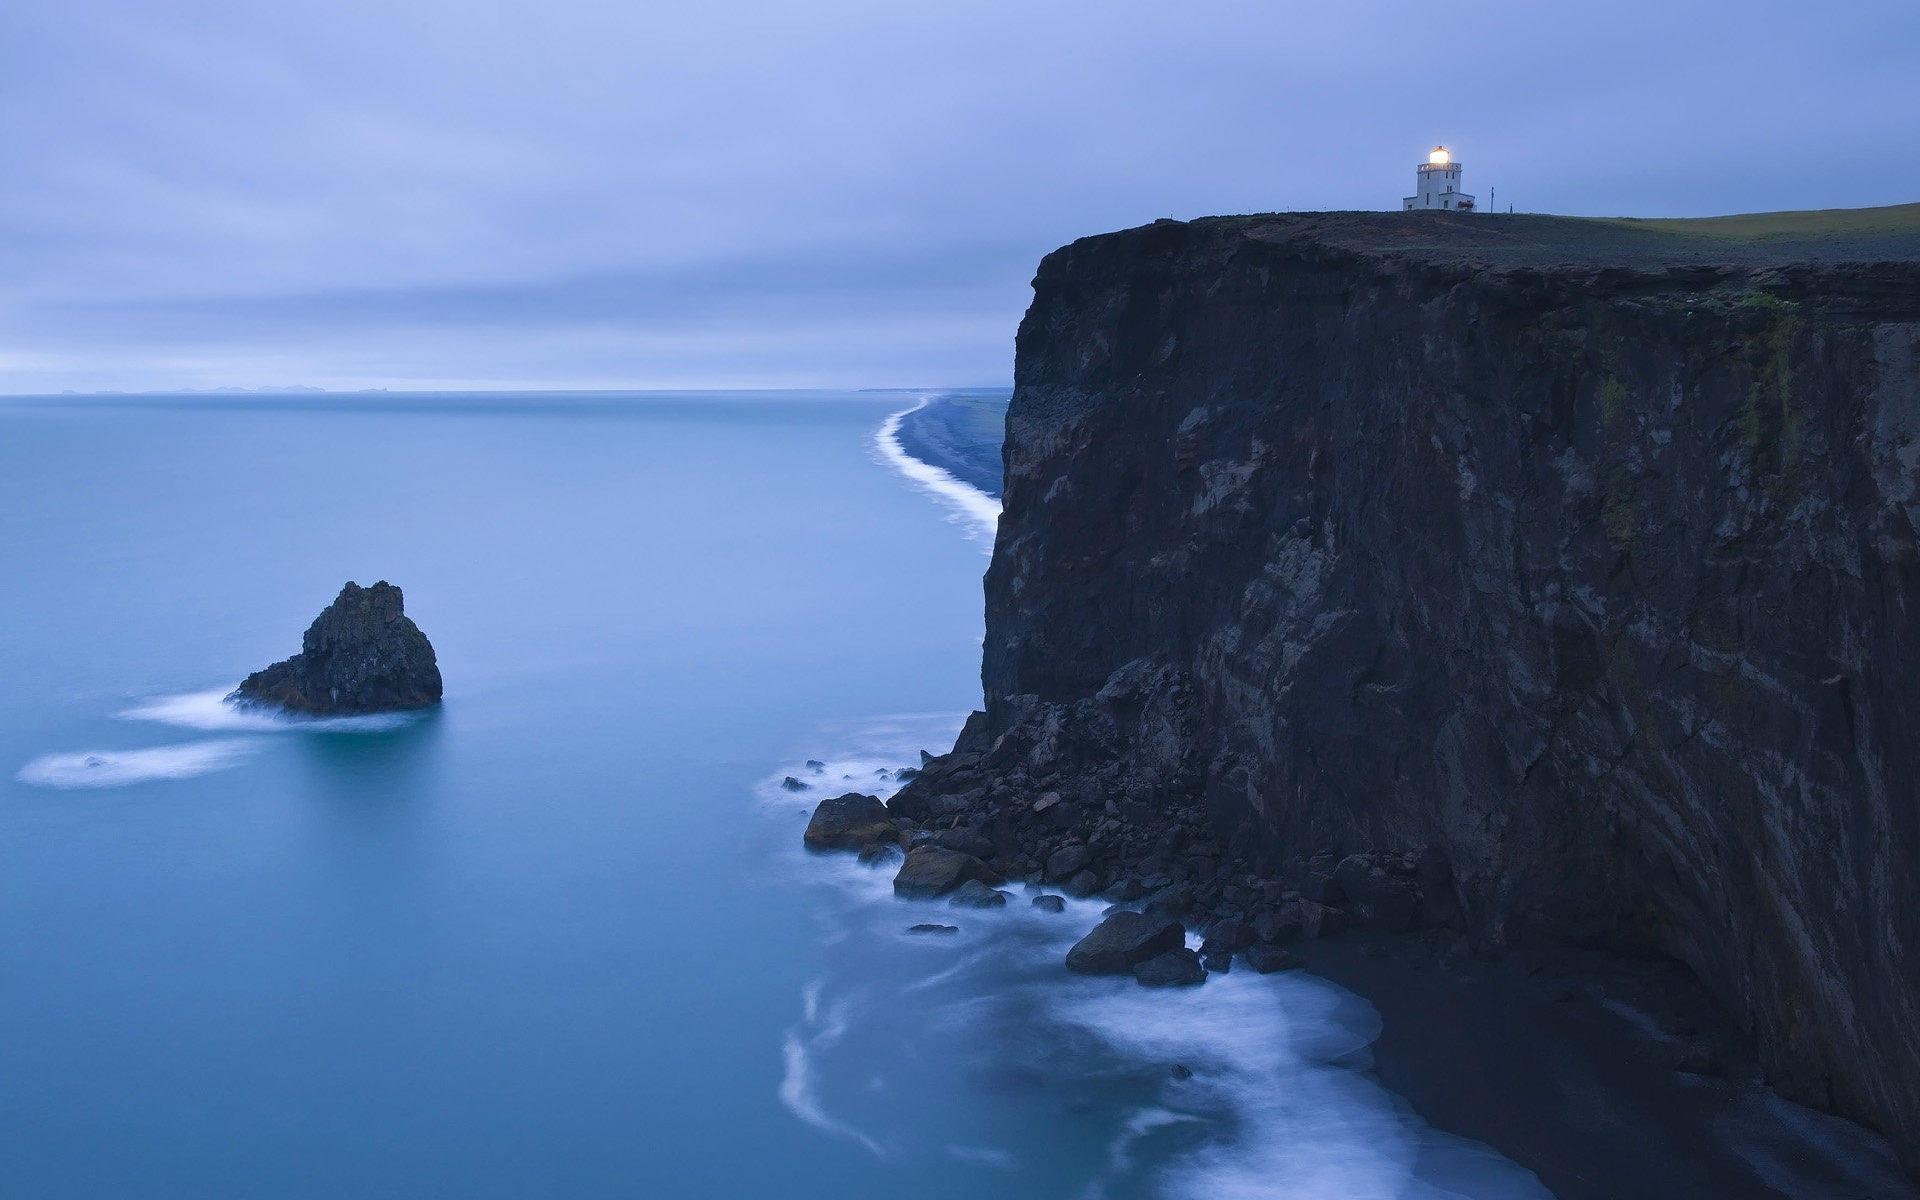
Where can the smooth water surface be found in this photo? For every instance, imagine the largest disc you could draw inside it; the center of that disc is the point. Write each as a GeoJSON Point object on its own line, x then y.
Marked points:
{"type": "Point", "coordinates": [558, 938]}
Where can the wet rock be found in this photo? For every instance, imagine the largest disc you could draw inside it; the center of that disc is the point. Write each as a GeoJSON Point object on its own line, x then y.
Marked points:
{"type": "Point", "coordinates": [1268, 959]}
{"type": "Point", "coordinates": [792, 784]}
{"type": "Point", "coordinates": [1085, 884]}
{"type": "Point", "coordinates": [815, 765]}
{"type": "Point", "coordinates": [930, 927]}
{"type": "Point", "coordinates": [1224, 937]}
{"type": "Point", "coordinates": [1173, 899]}
{"type": "Point", "coordinates": [1066, 862]}
{"type": "Point", "coordinates": [878, 853]}
{"type": "Point", "coordinates": [362, 654]}
{"type": "Point", "coordinates": [1218, 963]}
{"type": "Point", "coordinates": [1181, 1071]}
{"type": "Point", "coordinates": [1122, 941]}
{"type": "Point", "coordinates": [1173, 968]}
{"type": "Point", "coordinates": [850, 822]}
{"type": "Point", "coordinates": [935, 871]}
{"type": "Point", "coordinates": [965, 841]}
{"type": "Point", "coordinates": [1282, 925]}
{"type": "Point", "coordinates": [1048, 903]}
{"type": "Point", "coordinates": [974, 894]}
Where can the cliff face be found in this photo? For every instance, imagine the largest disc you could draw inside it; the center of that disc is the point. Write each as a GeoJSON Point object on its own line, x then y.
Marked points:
{"type": "Point", "coordinates": [1565, 570]}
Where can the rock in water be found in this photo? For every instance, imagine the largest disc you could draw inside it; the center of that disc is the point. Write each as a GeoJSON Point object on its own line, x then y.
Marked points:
{"type": "Point", "coordinates": [362, 654]}
{"type": "Point", "coordinates": [974, 894]}
{"type": "Point", "coordinates": [1123, 941]}
{"type": "Point", "coordinates": [1268, 959]}
{"type": "Point", "coordinates": [933, 871]}
{"type": "Point", "coordinates": [1175, 968]}
{"type": "Point", "coordinates": [850, 822]}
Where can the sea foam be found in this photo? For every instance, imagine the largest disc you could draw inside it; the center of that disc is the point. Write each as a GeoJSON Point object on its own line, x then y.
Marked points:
{"type": "Point", "coordinates": [214, 711]}
{"type": "Point", "coordinates": [1279, 1103]}
{"type": "Point", "coordinates": [120, 768]}
{"type": "Point", "coordinates": [979, 512]}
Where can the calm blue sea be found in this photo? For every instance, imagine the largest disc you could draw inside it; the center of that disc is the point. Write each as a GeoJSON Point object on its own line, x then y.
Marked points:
{"type": "Point", "coordinates": [558, 939]}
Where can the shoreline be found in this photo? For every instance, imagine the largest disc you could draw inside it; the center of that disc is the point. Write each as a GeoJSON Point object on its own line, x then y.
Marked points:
{"type": "Point", "coordinates": [965, 503]}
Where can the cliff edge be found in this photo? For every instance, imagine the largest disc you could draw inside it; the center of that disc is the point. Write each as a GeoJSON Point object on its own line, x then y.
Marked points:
{"type": "Point", "coordinates": [1530, 577]}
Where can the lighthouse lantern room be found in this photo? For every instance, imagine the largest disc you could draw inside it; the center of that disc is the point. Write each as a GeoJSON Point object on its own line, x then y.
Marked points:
{"type": "Point", "coordinates": [1438, 186]}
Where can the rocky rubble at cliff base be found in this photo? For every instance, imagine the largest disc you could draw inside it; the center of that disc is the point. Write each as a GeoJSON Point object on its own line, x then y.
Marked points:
{"type": "Point", "coordinates": [962, 858]}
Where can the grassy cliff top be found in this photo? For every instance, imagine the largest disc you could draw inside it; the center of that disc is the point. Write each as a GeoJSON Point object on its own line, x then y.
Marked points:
{"type": "Point", "coordinates": [1825, 236]}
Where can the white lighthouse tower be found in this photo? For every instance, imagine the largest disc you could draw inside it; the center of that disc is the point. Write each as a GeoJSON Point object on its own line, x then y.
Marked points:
{"type": "Point", "coordinates": [1438, 186]}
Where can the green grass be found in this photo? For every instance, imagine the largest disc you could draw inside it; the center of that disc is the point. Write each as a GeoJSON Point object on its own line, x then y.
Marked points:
{"type": "Point", "coordinates": [1811, 224]}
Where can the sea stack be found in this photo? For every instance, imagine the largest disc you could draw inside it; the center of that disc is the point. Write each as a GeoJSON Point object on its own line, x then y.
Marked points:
{"type": "Point", "coordinates": [362, 654]}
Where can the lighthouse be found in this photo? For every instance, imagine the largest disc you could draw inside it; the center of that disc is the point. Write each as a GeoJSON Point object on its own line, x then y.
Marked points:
{"type": "Point", "coordinates": [1437, 186]}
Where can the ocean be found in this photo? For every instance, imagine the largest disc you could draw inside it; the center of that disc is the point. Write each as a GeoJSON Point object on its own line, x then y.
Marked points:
{"type": "Point", "coordinates": [558, 937]}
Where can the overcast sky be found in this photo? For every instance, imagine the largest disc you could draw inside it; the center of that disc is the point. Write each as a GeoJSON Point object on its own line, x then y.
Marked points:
{"type": "Point", "coordinates": [589, 193]}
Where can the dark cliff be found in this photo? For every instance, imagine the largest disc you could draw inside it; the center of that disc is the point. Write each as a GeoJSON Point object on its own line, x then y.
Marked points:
{"type": "Point", "coordinates": [1531, 577]}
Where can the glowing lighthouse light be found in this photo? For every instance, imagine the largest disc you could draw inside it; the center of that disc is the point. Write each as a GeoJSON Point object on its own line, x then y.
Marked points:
{"type": "Point", "coordinates": [1437, 186]}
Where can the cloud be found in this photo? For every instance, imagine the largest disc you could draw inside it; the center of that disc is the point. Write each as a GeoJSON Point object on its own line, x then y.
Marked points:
{"type": "Point", "coordinates": [840, 192]}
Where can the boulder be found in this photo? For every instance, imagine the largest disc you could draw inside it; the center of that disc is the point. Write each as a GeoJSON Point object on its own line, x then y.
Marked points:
{"type": "Point", "coordinates": [930, 927]}
{"type": "Point", "coordinates": [1049, 903]}
{"type": "Point", "coordinates": [1268, 959]}
{"type": "Point", "coordinates": [1284, 924]}
{"type": "Point", "coordinates": [1224, 937]}
{"type": "Point", "coordinates": [850, 822]}
{"type": "Point", "coordinates": [1067, 861]}
{"type": "Point", "coordinates": [1122, 941]}
{"type": "Point", "coordinates": [1085, 884]}
{"type": "Point", "coordinates": [965, 841]}
{"type": "Point", "coordinates": [362, 654]}
{"type": "Point", "coordinates": [1173, 968]}
{"type": "Point", "coordinates": [974, 894]}
{"type": "Point", "coordinates": [792, 784]}
{"type": "Point", "coordinates": [935, 871]}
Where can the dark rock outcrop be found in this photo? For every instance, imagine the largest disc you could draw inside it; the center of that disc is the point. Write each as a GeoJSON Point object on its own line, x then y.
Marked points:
{"type": "Point", "coordinates": [1122, 941]}
{"type": "Point", "coordinates": [1171, 968]}
{"type": "Point", "coordinates": [1268, 959]}
{"type": "Point", "coordinates": [974, 894]}
{"type": "Point", "coordinates": [850, 822]}
{"type": "Point", "coordinates": [1564, 571]}
{"type": "Point", "coordinates": [935, 871]}
{"type": "Point", "coordinates": [362, 654]}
